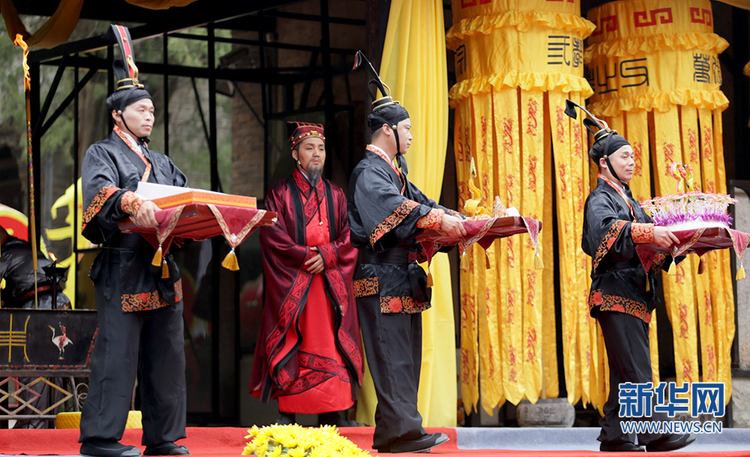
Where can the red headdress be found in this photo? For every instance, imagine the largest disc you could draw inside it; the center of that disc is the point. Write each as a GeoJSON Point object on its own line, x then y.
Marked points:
{"type": "Point", "coordinates": [299, 131]}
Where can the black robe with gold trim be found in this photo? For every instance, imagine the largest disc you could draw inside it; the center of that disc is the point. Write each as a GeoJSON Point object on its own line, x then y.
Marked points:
{"type": "Point", "coordinates": [383, 212]}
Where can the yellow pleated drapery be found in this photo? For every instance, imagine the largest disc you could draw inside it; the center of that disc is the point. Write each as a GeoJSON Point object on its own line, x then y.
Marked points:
{"type": "Point", "coordinates": [654, 68]}
{"type": "Point", "coordinates": [516, 64]}
{"type": "Point", "coordinates": [414, 67]}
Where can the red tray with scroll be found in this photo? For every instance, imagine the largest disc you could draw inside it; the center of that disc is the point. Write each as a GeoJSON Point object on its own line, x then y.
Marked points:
{"type": "Point", "coordinates": [502, 227]}
{"type": "Point", "coordinates": [711, 238]}
{"type": "Point", "coordinates": [197, 221]}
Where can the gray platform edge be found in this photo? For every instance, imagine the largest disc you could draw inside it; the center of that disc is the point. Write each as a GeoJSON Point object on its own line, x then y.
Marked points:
{"type": "Point", "coordinates": [580, 438]}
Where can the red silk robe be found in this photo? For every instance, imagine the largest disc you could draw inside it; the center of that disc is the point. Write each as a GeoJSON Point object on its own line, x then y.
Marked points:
{"type": "Point", "coordinates": [308, 352]}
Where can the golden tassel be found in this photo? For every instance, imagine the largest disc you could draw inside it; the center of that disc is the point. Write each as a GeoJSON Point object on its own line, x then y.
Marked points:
{"type": "Point", "coordinates": [430, 282]}
{"type": "Point", "coordinates": [701, 266]}
{"type": "Point", "coordinates": [230, 261]}
{"type": "Point", "coordinates": [156, 261]}
{"type": "Point", "coordinates": [486, 261]}
{"type": "Point", "coordinates": [464, 262]}
{"type": "Point", "coordinates": [672, 270]}
{"type": "Point", "coordinates": [164, 269]}
{"type": "Point", "coordinates": [538, 262]}
{"type": "Point", "coordinates": [740, 273]}
{"type": "Point", "coordinates": [648, 284]}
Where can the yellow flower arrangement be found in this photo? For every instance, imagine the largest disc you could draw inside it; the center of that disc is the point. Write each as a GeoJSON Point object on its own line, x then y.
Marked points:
{"type": "Point", "coordinates": [297, 441]}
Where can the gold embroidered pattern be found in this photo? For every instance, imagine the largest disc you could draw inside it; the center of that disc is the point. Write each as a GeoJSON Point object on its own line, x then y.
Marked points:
{"type": "Point", "coordinates": [366, 287]}
{"type": "Point", "coordinates": [142, 302]}
{"type": "Point", "coordinates": [607, 242]}
{"type": "Point", "coordinates": [642, 233]}
{"type": "Point", "coordinates": [405, 305]}
{"type": "Point", "coordinates": [432, 220]}
{"type": "Point", "coordinates": [149, 300]}
{"type": "Point", "coordinates": [97, 203]}
{"type": "Point", "coordinates": [619, 304]}
{"type": "Point", "coordinates": [390, 222]}
{"type": "Point", "coordinates": [131, 202]}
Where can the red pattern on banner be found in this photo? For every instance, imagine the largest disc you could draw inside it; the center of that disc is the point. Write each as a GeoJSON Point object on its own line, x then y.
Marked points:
{"type": "Point", "coordinates": [513, 372]}
{"type": "Point", "coordinates": [687, 371]}
{"type": "Point", "coordinates": [577, 146]}
{"type": "Point", "coordinates": [683, 321]}
{"type": "Point", "coordinates": [693, 146]}
{"type": "Point", "coordinates": [509, 188]}
{"type": "Point", "coordinates": [511, 304]}
{"type": "Point", "coordinates": [508, 135]}
{"type": "Point", "coordinates": [532, 124]}
{"type": "Point", "coordinates": [531, 275]}
{"type": "Point", "coordinates": [708, 144]}
{"type": "Point", "coordinates": [648, 18]}
{"type": "Point", "coordinates": [711, 363]}
{"type": "Point", "coordinates": [563, 183]}
{"type": "Point", "coordinates": [531, 345]}
{"type": "Point", "coordinates": [637, 156]}
{"type": "Point", "coordinates": [560, 123]}
{"type": "Point", "coordinates": [668, 158]}
{"type": "Point", "coordinates": [511, 254]}
{"type": "Point", "coordinates": [701, 16]}
{"type": "Point", "coordinates": [709, 307]}
{"type": "Point", "coordinates": [533, 163]}
{"type": "Point", "coordinates": [483, 128]}
{"type": "Point", "coordinates": [605, 24]}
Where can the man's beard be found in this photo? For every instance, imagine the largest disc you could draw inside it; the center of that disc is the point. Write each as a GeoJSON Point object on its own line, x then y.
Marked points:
{"type": "Point", "coordinates": [314, 174]}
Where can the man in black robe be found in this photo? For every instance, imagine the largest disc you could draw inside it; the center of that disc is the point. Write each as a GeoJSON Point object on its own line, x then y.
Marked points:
{"type": "Point", "coordinates": [139, 310]}
{"type": "Point", "coordinates": [386, 212]}
{"type": "Point", "coordinates": [17, 269]}
{"type": "Point", "coordinates": [622, 292]}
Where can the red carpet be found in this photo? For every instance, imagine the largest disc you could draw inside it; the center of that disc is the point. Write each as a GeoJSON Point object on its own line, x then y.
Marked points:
{"type": "Point", "coordinates": [229, 441]}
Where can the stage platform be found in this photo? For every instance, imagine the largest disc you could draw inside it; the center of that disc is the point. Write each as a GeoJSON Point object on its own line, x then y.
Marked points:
{"type": "Point", "coordinates": [474, 442]}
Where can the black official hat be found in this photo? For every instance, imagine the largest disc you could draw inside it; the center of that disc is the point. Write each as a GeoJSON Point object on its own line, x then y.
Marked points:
{"type": "Point", "coordinates": [129, 89]}
{"type": "Point", "coordinates": [606, 141]}
{"type": "Point", "coordinates": [385, 110]}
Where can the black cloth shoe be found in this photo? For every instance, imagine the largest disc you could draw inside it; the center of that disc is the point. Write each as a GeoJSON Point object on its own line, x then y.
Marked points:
{"type": "Point", "coordinates": [166, 448]}
{"type": "Point", "coordinates": [96, 447]}
{"type": "Point", "coordinates": [286, 419]}
{"type": "Point", "coordinates": [610, 446]}
{"type": "Point", "coordinates": [423, 444]}
{"type": "Point", "coordinates": [670, 443]}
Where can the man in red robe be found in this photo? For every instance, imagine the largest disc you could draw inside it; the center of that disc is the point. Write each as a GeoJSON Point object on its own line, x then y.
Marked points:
{"type": "Point", "coordinates": [308, 354]}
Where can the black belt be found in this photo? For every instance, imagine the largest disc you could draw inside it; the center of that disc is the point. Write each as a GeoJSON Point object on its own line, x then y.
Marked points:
{"type": "Point", "coordinates": [393, 256]}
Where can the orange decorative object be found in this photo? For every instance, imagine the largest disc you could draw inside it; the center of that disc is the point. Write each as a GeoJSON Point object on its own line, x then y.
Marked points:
{"type": "Point", "coordinates": [199, 215]}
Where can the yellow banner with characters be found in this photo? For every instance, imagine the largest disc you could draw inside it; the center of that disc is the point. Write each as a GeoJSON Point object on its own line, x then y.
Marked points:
{"type": "Point", "coordinates": [517, 62]}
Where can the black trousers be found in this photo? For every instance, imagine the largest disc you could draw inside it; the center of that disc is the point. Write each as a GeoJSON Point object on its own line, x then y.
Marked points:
{"type": "Point", "coordinates": [629, 356]}
{"type": "Point", "coordinates": [149, 341]}
{"type": "Point", "coordinates": [393, 347]}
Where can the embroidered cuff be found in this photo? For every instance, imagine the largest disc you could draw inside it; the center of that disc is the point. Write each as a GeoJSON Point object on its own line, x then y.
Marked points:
{"type": "Point", "coordinates": [432, 220]}
{"type": "Point", "coordinates": [131, 202]}
{"type": "Point", "coordinates": [642, 233]}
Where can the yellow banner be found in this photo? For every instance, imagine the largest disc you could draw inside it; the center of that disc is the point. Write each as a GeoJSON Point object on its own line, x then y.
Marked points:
{"type": "Point", "coordinates": [513, 101]}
